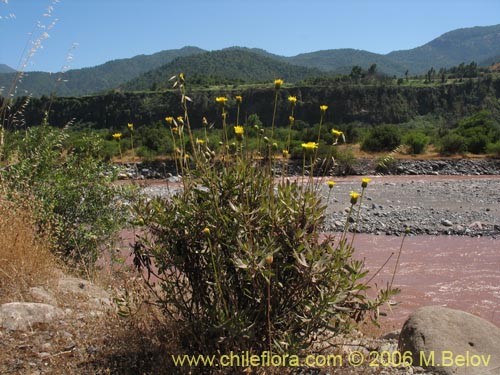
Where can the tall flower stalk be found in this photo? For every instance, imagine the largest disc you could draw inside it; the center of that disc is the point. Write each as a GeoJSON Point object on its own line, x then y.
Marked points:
{"type": "Point", "coordinates": [130, 127]}
{"type": "Point", "coordinates": [291, 120]}
{"type": "Point", "coordinates": [222, 100]}
{"type": "Point", "coordinates": [117, 137]}
{"type": "Point", "coordinates": [364, 185]}
{"type": "Point", "coordinates": [277, 87]}
{"type": "Point", "coordinates": [322, 109]}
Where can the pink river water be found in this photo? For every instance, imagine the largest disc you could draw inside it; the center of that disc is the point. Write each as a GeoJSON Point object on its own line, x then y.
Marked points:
{"type": "Point", "coordinates": [452, 271]}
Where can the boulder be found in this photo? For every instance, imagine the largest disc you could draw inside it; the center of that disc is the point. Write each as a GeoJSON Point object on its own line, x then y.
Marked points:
{"type": "Point", "coordinates": [40, 294]}
{"type": "Point", "coordinates": [20, 316]}
{"type": "Point", "coordinates": [94, 296]}
{"type": "Point", "coordinates": [449, 341]}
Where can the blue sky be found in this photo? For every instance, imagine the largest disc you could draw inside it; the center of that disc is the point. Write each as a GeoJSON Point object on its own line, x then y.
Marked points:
{"type": "Point", "coordinates": [96, 31]}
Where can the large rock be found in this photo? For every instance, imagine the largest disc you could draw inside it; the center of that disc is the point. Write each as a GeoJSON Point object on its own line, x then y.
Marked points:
{"type": "Point", "coordinates": [21, 316]}
{"type": "Point", "coordinates": [451, 342]}
{"type": "Point", "coordinates": [94, 297]}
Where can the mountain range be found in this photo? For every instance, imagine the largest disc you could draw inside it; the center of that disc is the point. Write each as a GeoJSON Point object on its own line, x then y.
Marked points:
{"type": "Point", "coordinates": [240, 65]}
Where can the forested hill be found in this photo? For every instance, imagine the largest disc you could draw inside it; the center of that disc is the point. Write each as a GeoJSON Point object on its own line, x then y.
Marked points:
{"type": "Point", "coordinates": [233, 65]}
{"type": "Point", "coordinates": [463, 45]}
{"type": "Point", "coordinates": [342, 61]}
{"type": "Point", "coordinates": [103, 77]}
{"type": "Point", "coordinates": [6, 69]}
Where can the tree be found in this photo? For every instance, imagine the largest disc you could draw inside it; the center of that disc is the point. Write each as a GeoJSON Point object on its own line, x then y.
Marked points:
{"type": "Point", "coordinates": [356, 73]}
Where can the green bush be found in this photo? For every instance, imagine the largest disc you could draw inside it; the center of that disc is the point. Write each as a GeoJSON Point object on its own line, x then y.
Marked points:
{"type": "Point", "coordinates": [382, 138]}
{"type": "Point", "coordinates": [452, 143]}
{"type": "Point", "coordinates": [476, 141]}
{"type": "Point", "coordinates": [416, 141]}
{"type": "Point", "coordinates": [494, 149]}
{"type": "Point", "coordinates": [345, 161]}
{"type": "Point", "coordinates": [478, 130]}
{"type": "Point", "coordinates": [230, 254]}
{"type": "Point", "coordinates": [238, 260]}
{"type": "Point", "coordinates": [70, 190]}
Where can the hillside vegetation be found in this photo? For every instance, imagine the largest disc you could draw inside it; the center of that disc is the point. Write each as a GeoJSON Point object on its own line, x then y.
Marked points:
{"type": "Point", "coordinates": [369, 104]}
{"type": "Point", "coordinates": [237, 65]}
{"type": "Point", "coordinates": [226, 66]}
{"type": "Point", "coordinates": [77, 82]}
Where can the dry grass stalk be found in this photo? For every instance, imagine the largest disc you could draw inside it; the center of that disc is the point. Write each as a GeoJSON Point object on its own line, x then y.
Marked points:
{"type": "Point", "coordinates": [25, 258]}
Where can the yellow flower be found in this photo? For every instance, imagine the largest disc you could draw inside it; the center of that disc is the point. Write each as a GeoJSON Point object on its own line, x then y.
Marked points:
{"type": "Point", "coordinates": [330, 184]}
{"type": "Point", "coordinates": [269, 259]}
{"type": "Point", "coordinates": [292, 100]}
{"type": "Point", "coordinates": [337, 133]}
{"type": "Point", "coordinates": [364, 182]}
{"type": "Point", "coordinates": [175, 130]}
{"type": "Point", "coordinates": [199, 141]}
{"type": "Point", "coordinates": [117, 136]}
{"type": "Point", "coordinates": [130, 126]}
{"type": "Point", "coordinates": [181, 77]}
{"type": "Point", "coordinates": [285, 153]}
{"type": "Point", "coordinates": [206, 231]}
{"type": "Point", "coordinates": [221, 100]}
{"type": "Point", "coordinates": [239, 99]}
{"type": "Point", "coordinates": [238, 130]}
{"type": "Point", "coordinates": [169, 120]}
{"type": "Point", "coordinates": [323, 108]}
{"type": "Point", "coordinates": [278, 83]}
{"type": "Point", "coordinates": [291, 119]}
{"type": "Point", "coordinates": [354, 197]}
{"type": "Point", "coordinates": [180, 119]}
{"type": "Point", "coordinates": [309, 146]}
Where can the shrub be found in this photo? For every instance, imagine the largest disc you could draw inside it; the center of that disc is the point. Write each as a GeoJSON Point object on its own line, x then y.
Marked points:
{"type": "Point", "coordinates": [452, 143]}
{"type": "Point", "coordinates": [476, 141]}
{"type": "Point", "coordinates": [230, 255]}
{"type": "Point", "coordinates": [70, 192]}
{"type": "Point", "coordinates": [417, 142]}
{"type": "Point", "coordinates": [345, 161]}
{"type": "Point", "coordinates": [386, 164]}
{"type": "Point", "coordinates": [478, 130]}
{"type": "Point", "coordinates": [382, 138]}
{"type": "Point", "coordinates": [494, 149]}
{"type": "Point", "coordinates": [238, 261]}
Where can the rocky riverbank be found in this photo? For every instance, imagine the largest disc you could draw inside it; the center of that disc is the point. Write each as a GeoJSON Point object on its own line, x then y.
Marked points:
{"type": "Point", "coordinates": [432, 205]}
{"type": "Point", "coordinates": [424, 204]}
{"type": "Point", "coordinates": [444, 167]}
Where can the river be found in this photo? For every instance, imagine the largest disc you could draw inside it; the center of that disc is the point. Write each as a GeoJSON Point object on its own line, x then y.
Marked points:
{"type": "Point", "coordinates": [457, 272]}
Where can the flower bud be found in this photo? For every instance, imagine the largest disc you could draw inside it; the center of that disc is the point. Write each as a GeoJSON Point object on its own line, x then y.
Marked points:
{"type": "Point", "coordinates": [269, 259]}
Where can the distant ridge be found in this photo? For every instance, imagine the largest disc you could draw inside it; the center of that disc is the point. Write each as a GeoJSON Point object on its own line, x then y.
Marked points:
{"type": "Point", "coordinates": [77, 82]}
{"type": "Point", "coordinates": [452, 48]}
{"type": "Point", "coordinates": [241, 64]}
{"type": "Point", "coordinates": [6, 69]}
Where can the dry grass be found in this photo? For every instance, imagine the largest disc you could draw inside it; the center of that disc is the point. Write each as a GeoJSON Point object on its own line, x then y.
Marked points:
{"type": "Point", "coordinates": [25, 257]}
